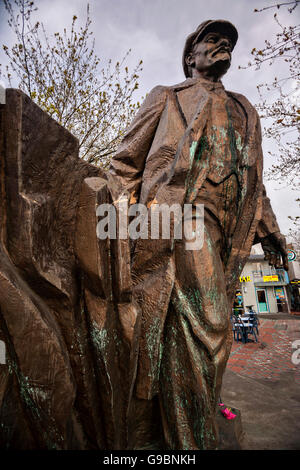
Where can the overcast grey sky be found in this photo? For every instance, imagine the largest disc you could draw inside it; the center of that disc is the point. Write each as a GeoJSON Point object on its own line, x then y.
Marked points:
{"type": "Point", "coordinates": [155, 30]}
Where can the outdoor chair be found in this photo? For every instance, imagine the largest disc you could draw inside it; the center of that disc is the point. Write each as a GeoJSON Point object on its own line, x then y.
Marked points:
{"type": "Point", "coordinates": [253, 330]}
{"type": "Point", "coordinates": [255, 322]}
{"type": "Point", "coordinates": [237, 329]}
{"type": "Point", "coordinates": [255, 325]}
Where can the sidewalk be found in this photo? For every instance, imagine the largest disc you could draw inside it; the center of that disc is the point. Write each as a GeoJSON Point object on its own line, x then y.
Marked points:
{"type": "Point", "coordinates": [263, 383]}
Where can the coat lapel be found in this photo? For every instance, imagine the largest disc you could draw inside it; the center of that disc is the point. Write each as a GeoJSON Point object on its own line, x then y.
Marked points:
{"type": "Point", "coordinates": [196, 117]}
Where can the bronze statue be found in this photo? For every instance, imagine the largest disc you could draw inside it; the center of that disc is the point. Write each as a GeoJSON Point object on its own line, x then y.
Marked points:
{"type": "Point", "coordinates": [193, 143]}
{"type": "Point", "coordinates": [115, 343]}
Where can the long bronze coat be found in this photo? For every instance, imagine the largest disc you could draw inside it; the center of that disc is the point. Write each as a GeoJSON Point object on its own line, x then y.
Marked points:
{"type": "Point", "coordinates": [66, 298]}
{"type": "Point", "coordinates": [157, 161]}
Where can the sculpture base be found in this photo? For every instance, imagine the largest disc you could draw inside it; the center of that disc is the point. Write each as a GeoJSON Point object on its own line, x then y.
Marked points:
{"type": "Point", "coordinates": [231, 433]}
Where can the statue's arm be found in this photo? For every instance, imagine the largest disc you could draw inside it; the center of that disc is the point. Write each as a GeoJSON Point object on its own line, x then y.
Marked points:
{"type": "Point", "coordinates": [268, 223]}
{"type": "Point", "coordinates": [268, 234]}
{"type": "Point", "coordinates": [268, 231]}
{"type": "Point", "coordinates": [125, 176]}
{"type": "Point", "coordinates": [127, 166]}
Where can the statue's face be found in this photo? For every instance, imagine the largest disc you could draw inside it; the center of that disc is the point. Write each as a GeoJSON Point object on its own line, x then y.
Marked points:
{"type": "Point", "coordinates": [211, 55]}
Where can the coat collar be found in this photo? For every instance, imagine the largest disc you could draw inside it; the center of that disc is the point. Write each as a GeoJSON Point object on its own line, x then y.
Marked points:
{"type": "Point", "coordinates": [199, 82]}
{"type": "Point", "coordinates": [198, 94]}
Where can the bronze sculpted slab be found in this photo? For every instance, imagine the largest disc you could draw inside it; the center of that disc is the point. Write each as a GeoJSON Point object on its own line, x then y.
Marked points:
{"type": "Point", "coordinates": [119, 343]}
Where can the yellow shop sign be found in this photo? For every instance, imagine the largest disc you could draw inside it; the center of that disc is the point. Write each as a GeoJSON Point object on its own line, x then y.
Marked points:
{"type": "Point", "coordinates": [273, 278]}
{"type": "Point", "coordinates": [245, 279]}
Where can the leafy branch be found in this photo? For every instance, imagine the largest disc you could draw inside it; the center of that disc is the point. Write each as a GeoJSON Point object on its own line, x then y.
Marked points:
{"type": "Point", "coordinates": [62, 75]}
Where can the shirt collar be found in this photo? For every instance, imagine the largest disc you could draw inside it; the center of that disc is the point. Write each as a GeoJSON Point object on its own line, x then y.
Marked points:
{"type": "Point", "coordinates": [208, 84]}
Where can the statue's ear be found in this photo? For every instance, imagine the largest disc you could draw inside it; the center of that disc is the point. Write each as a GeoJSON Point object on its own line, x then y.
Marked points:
{"type": "Point", "coordinates": [189, 59]}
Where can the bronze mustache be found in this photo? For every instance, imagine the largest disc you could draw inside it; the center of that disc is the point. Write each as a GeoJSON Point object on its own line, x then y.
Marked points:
{"type": "Point", "coordinates": [221, 49]}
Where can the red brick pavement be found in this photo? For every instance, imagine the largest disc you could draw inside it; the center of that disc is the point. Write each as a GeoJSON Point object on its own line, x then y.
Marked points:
{"type": "Point", "coordinates": [272, 355]}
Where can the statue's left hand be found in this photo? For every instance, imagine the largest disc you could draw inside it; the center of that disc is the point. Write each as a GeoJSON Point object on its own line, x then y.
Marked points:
{"type": "Point", "coordinates": [274, 246]}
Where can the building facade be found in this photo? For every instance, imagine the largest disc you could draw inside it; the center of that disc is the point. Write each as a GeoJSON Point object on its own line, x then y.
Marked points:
{"type": "Point", "coordinates": [263, 287]}
{"type": "Point", "coordinates": [294, 275]}
{"type": "Point", "coordinates": [266, 289]}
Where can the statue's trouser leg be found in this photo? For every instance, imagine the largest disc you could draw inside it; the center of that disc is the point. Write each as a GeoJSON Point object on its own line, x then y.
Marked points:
{"type": "Point", "coordinates": [145, 427]}
{"type": "Point", "coordinates": [197, 344]}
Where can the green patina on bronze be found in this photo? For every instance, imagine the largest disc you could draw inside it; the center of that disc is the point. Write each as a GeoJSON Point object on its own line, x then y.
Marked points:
{"type": "Point", "coordinates": [151, 342]}
{"type": "Point", "coordinates": [214, 144]}
{"type": "Point", "coordinates": [188, 410]}
{"type": "Point", "coordinates": [238, 141]}
{"type": "Point", "coordinates": [192, 151]}
{"type": "Point", "coordinates": [184, 300]}
{"type": "Point", "coordinates": [203, 147]}
{"type": "Point", "coordinates": [197, 163]}
{"type": "Point", "coordinates": [29, 394]}
{"type": "Point", "coordinates": [208, 241]}
{"type": "Point", "coordinates": [100, 338]}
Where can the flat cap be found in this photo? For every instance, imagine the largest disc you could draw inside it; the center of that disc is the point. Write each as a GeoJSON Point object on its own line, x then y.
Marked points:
{"type": "Point", "coordinates": [204, 28]}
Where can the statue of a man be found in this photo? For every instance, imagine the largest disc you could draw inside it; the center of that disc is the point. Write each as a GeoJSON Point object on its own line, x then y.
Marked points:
{"type": "Point", "coordinates": [192, 143]}
{"type": "Point", "coordinates": [118, 345]}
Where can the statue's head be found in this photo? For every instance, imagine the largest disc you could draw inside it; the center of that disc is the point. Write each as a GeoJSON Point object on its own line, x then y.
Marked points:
{"type": "Point", "coordinates": [207, 50]}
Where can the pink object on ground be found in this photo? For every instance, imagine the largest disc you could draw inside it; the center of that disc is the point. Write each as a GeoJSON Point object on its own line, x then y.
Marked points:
{"type": "Point", "coordinates": [227, 413]}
